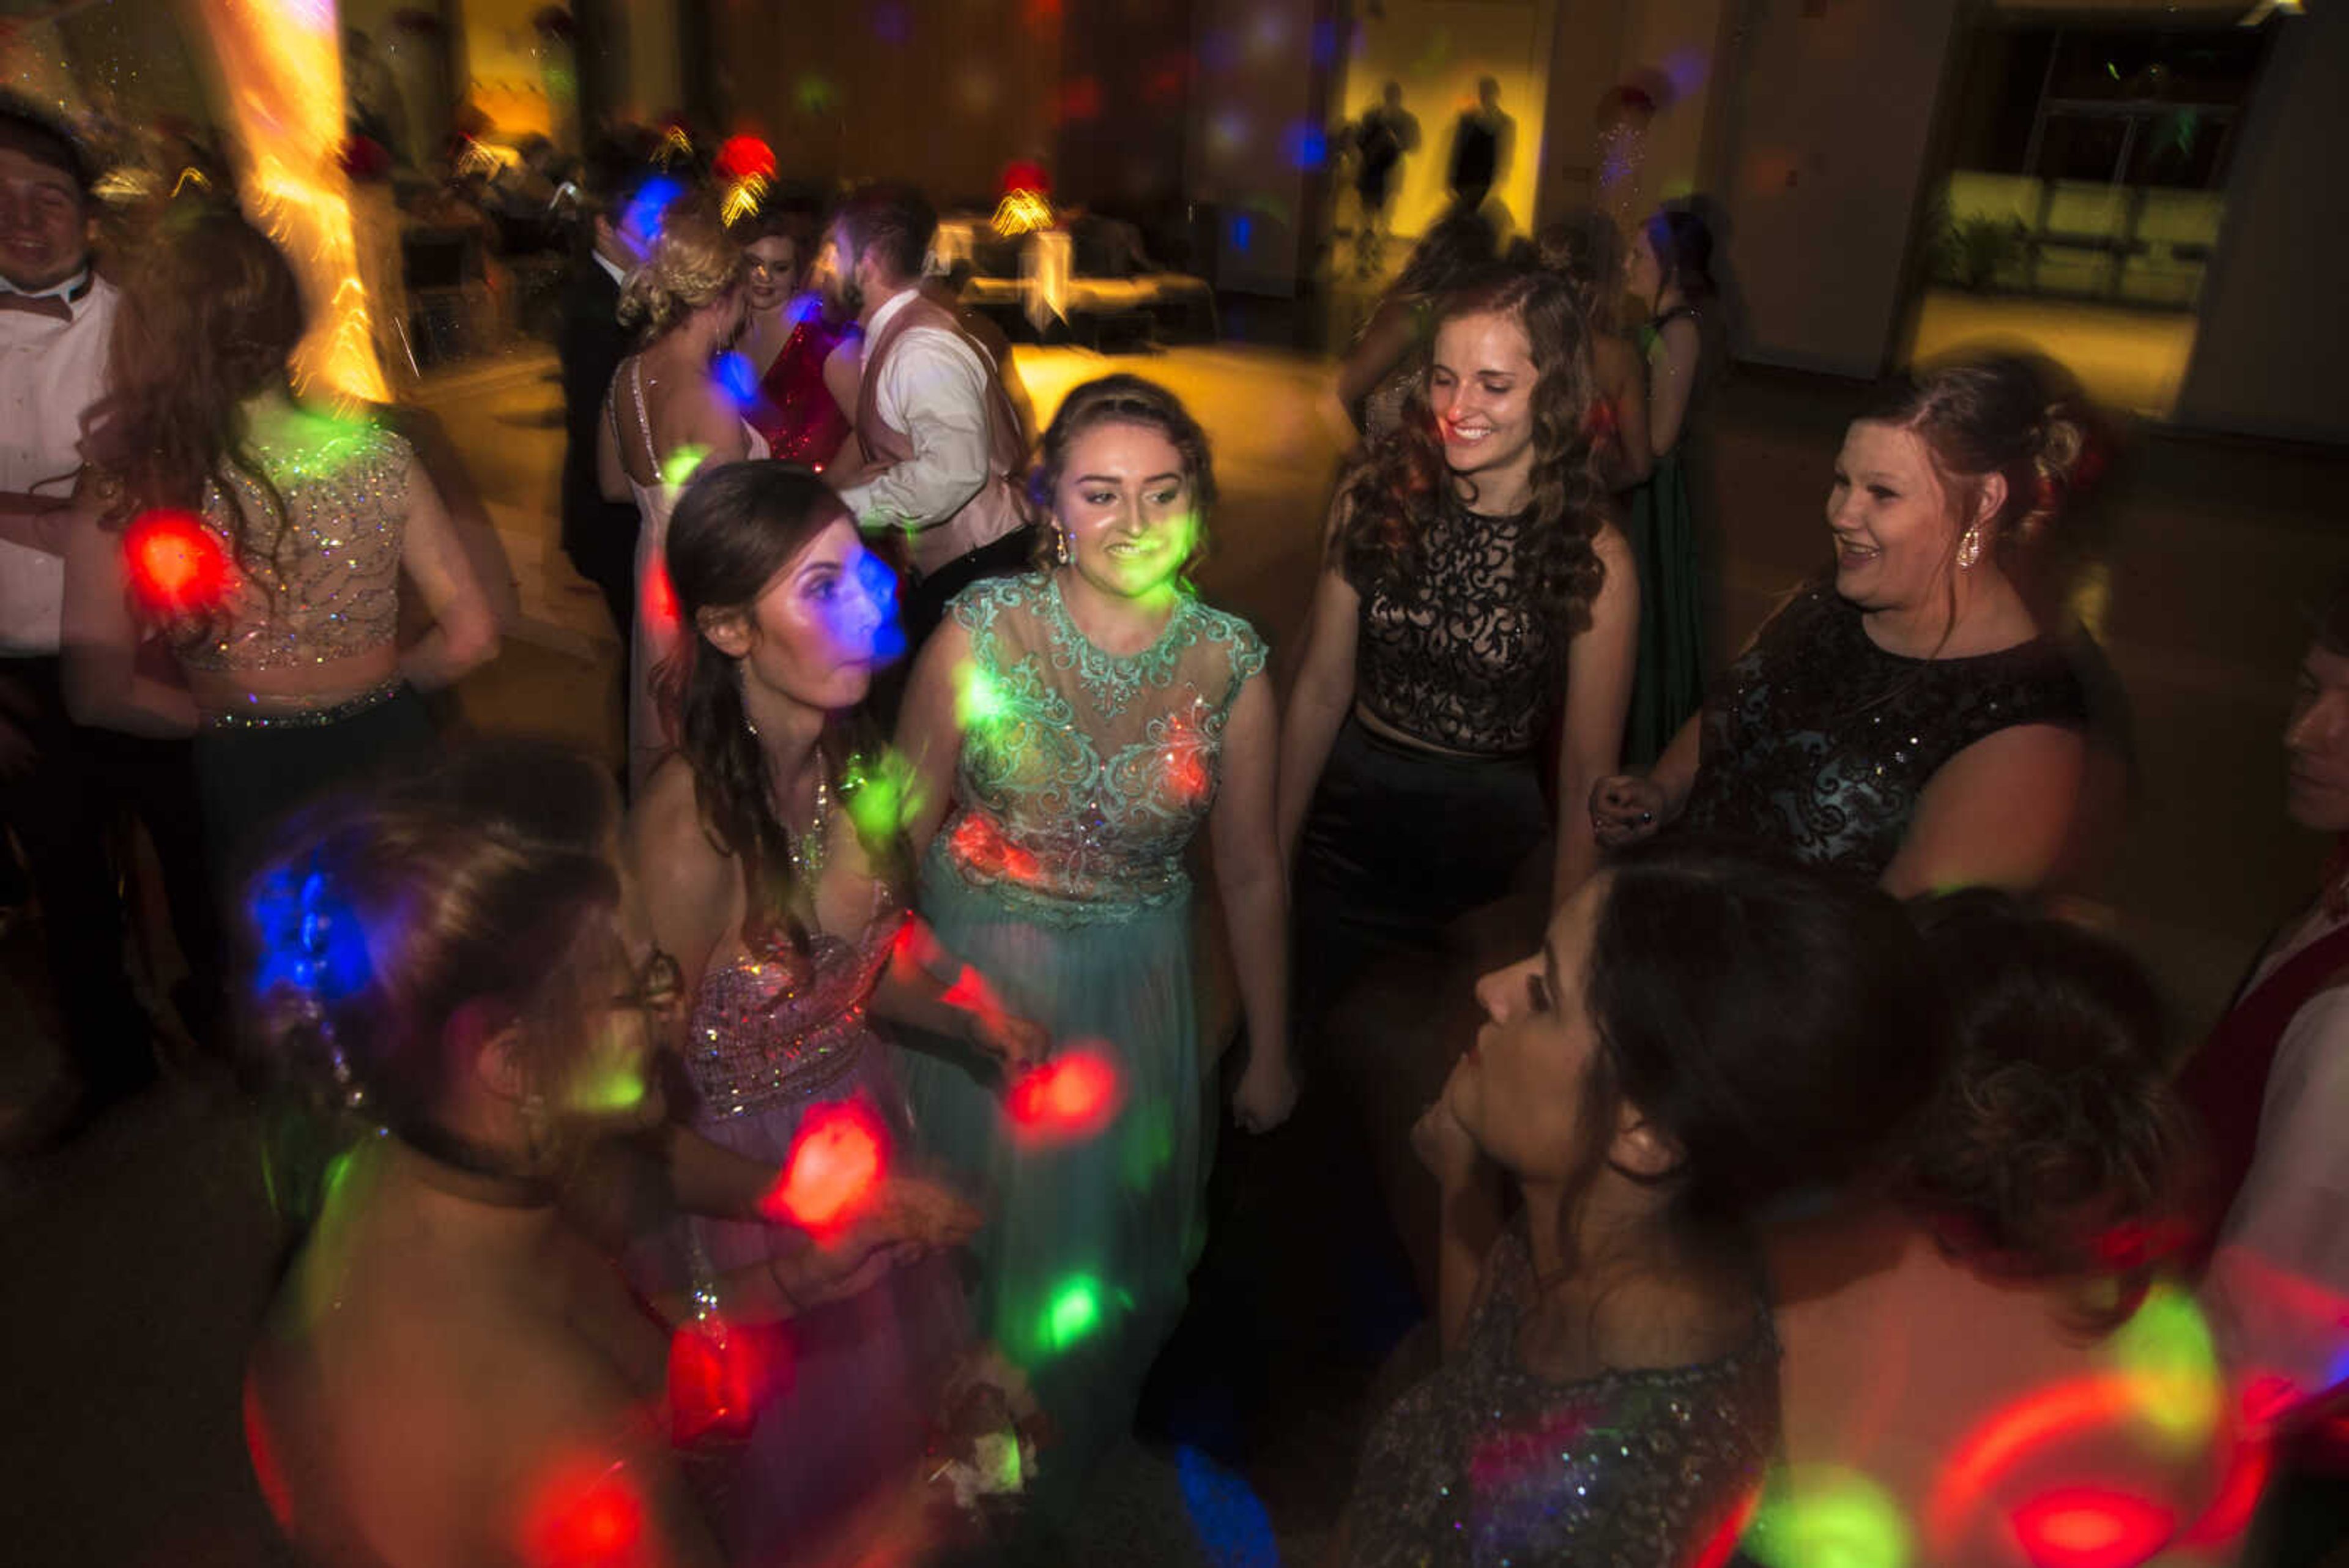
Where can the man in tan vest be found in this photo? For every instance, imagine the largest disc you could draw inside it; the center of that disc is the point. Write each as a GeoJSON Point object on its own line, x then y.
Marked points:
{"type": "Point", "coordinates": [938, 448]}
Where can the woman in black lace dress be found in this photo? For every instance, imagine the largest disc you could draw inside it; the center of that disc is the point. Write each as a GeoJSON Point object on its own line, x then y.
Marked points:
{"type": "Point", "coordinates": [1702, 1030]}
{"type": "Point", "coordinates": [1913, 715]}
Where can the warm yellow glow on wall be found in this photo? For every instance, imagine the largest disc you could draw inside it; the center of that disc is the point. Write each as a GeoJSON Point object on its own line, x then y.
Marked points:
{"type": "Point", "coordinates": [281, 64]}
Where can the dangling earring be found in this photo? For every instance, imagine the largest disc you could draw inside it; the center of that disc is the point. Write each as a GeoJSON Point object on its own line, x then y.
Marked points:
{"type": "Point", "coordinates": [1059, 546]}
{"type": "Point", "coordinates": [1970, 549]}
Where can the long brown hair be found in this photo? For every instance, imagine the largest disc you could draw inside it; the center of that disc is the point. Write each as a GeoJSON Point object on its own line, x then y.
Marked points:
{"type": "Point", "coordinates": [210, 321]}
{"type": "Point", "coordinates": [1388, 500]}
{"type": "Point", "coordinates": [734, 529]}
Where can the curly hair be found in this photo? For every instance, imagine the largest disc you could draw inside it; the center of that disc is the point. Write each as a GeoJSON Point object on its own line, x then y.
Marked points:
{"type": "Point", "coordinates": [209, 321]}
{"type": "Point", "coordinates": [2019, 416]}
{"type": "Point", "coordinates": [693, 264]}
{"type": "Point", "coordinates": [1386, 503]}
{"type": "Point", "coordinates": [2055, 1147]}
{"type": "Point", "coordinates": [1122, 398]}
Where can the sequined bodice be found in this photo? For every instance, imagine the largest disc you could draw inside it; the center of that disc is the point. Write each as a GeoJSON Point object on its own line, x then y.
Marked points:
{"type": "Point", "coordinates": [1487, 1463]}
{"type": "Point", "coordinates": [328, 585]}
{"type": "Point", "coordinates": [1085, 774]}
{"type": "Point", "coordinates": [1820, 742]}
{"type": "Point", "coordinates": [1459, 657]}
{"type": "Point", "coordinates": [779, 1027]}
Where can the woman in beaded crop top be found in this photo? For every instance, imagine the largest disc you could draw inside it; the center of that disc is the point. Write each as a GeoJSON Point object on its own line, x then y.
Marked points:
{"type": "Point", "coordinates": [1475, 591]}
{"type": "Point", "coordinates": [1917, 716]}
{"type": "Point", "coordinates": [264, 541]}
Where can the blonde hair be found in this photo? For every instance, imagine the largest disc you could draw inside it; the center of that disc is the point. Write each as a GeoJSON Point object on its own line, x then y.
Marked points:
{"type": "Point", "coordinates": [693, 264]}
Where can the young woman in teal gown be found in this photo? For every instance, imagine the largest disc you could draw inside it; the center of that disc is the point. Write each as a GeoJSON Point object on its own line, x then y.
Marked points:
{"type": "Point", "coordinates": [1071, 731]}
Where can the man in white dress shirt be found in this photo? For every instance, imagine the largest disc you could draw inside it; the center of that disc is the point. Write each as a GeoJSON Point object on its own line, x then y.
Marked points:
{"type": "Point", "coordinates": [59, 784]}
{"type": "Point", "coordinates": [939, 446]}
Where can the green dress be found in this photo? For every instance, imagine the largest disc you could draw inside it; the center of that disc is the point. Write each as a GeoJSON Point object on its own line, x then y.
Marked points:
{"type": "Point", "coordinates": [1668, 680]}
{"type": "Point", "coordinates": [1059, 876]}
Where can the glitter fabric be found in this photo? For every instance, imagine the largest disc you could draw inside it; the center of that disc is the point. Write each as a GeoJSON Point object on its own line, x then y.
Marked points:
{"type": "Point", "coordinates": [1820, 742]}
{"type": "Point", "coordinates": [781, 1027]}
{"type": "Point", "coordinates": [328, 587]}
{"type": "Point", "coordinates": [1485, 1463]}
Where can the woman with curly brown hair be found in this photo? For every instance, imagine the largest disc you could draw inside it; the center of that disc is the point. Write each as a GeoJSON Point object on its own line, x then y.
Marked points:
{"type": "Point", "coordinates": [1474, 587]}
{"type": "Point", "coordinates": [667, 417]}
{"type": "Point", "coordinates": [267, 538]}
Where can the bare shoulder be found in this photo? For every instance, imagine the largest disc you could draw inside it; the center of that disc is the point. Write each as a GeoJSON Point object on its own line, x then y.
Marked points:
{"type": "Point", "coordinates": [1612, 547]}
{"type": "Point", "coordinates": [1654, 1323]}
{"type": "Point", "coordinates": [666, 843]}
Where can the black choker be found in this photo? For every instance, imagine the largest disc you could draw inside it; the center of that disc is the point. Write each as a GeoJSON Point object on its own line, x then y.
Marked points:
{"type": "Point", "coordinates": [507, 1186]}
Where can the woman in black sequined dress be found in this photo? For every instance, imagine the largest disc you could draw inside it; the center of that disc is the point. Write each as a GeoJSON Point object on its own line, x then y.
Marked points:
{"type": "Point", "coordinates": [1916, 715]}
{"type": "Point", "coordinates": [1702, 1030]}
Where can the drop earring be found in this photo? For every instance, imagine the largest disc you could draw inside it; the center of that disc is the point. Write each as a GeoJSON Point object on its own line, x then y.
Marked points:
{"type": "Point", "coordinates": [1059, 546]}
{"type": "Point", "coordinates": [1970, 549]}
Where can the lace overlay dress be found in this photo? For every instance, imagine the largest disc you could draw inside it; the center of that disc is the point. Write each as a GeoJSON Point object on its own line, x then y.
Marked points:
{"type": "Point", "coordinates": [1059, 875]}
{"type": "Point", "coordinates": [854, 1384]}
{"type": "Point", "coordinates": [1821, 743]}
{"type": "Point", "coordinates": [1487, 1463]}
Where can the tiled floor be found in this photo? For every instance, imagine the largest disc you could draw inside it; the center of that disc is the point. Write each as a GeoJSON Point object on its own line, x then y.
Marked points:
{"type": "Point", "coordinates": [138, 1257]}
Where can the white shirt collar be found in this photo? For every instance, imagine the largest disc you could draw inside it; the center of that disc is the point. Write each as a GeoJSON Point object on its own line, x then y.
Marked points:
{"type": "Point", "coordinates": [71, 290]}
{"type": "Point", "coordinates": [605, 262]}
{"type": "Point", "coordinates": [894, 304]}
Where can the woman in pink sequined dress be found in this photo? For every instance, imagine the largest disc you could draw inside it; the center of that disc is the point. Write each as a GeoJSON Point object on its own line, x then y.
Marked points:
{"type": "Point", "coordinates": [766, 862]}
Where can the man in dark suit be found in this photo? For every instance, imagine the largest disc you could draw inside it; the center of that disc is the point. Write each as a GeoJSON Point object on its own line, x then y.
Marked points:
{"type": "Point", "coordinates": [598, 535]}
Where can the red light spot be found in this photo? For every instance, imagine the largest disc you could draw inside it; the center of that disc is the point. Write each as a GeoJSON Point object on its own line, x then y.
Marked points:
{"type": "Point", "coordinates": [584, 1516]}
{"type": "Point", "coordinates": [2088, 1527]}
{"type": "Point", "coordinates": [660, 598]}
{"type": "Point", "coordinates": [176, 566]}
{"type": "Point", "coordinates": [1081, 99]}
{"type": "Point", "coordinates": [834, 1168]}
{"type": "Point", "coordinates": [739, 157]}
{"type": "Point", "coordinates": [715, 1375]}
{"type": "Point", "coordinates": [1041, 16]}
{"type": "Point", "coordinates": [266, 1470]}
{"type": "Point", "coordinates": [978, 846]}
{"type": "Point", "coordinates": [1994, 1446]}
{"type": "Point", "coordinates": [1072, 1096]}
{"type": "Point", "coordinates": [2237, 1496]}
{"type": "Point", "coordinates": [1165, 81]}
{"type": "Point", "coordinates": [1715, 1551]}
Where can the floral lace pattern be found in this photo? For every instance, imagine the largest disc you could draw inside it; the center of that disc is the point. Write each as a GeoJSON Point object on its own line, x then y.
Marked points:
{"type": "Point", "coordinates": [1085, 775]}
{"type": "Point", "coordinates": [1821, 743]}
{"type": "Point", "coordinates": [1461, 659]}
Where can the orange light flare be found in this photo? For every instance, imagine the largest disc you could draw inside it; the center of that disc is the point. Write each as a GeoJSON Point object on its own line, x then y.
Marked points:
{"type": "Point", "coordinates": [281, 64]}
{"type": "Point", "coordinates": [175, 565]}
{"type": "Point", "coordinates": [586, 1513]}
{"type": "Point", "coordinates": [978, 845]}
{"type": "Point", "coordinates": [1074, 1096]}
{"type": "Point", "coordinates": [835, 1170]}
{"type": "Point", "coordinates": [2091, 1527]}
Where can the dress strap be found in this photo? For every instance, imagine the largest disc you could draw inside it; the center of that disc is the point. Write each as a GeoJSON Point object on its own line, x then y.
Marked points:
{"type": "Point", "coordinates": [644, 420]}
{"type": "Point", "coordinates": [1677, 313]}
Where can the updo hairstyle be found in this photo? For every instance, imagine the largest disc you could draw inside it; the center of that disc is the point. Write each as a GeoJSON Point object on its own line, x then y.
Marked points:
{"type": "Point", "coordinates": [1586, 250]}
{"type": "Point", "coordinates": [2014, 415]}
{"type": "Point", "coordinates": [1121, 398]}
{"type": "Point", "coordinates": [693, 262]}
{"type": "Point", "coordinates": [2054, 1147]}
{"type": "Point", "coordinates": [1777, 1023]}
{"type": "Point", "coordinates": [383, 913]}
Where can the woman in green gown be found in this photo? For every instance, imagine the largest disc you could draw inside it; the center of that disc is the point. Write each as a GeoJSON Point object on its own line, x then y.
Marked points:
{"type": "Point", "coordinates": [1670, 272]}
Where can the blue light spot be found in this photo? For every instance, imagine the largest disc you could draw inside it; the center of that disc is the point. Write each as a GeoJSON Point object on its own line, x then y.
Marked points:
{"type": "Point", "coordinates": [653, 198]}
{"type": "Point", "coordinates": [1234, 1529]}
{"type": "Point", "coordinates": [880, 586]}
{"type": "Point", "coordinates": [737, 379]}
{"type": "Point", "coordinates": [1306, 147]}
{"type": "Point", "coordinates": [1243, 230]}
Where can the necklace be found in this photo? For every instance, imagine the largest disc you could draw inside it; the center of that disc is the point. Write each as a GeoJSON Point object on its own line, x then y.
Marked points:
{"type": "Point", "coordinates": [808, 845]}
{"type": "Point", "coordinates": [484, 1175]}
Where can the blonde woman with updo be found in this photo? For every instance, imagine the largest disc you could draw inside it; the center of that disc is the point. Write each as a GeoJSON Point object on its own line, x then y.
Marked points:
{"type": "Point", "coordinates": [665, 418]}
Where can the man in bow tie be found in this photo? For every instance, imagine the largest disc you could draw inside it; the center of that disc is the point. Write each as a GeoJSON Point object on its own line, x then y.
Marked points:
{"type": "Point", "coordinates": [60, 783]}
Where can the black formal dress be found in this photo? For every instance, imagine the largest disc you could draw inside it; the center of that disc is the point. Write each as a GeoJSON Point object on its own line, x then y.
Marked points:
{"type": "Point", "coordinates": [598, 535]}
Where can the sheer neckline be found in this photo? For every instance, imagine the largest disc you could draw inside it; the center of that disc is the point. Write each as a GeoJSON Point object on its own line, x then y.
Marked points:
{"type": "Point", "coordinates": [1066, 623]}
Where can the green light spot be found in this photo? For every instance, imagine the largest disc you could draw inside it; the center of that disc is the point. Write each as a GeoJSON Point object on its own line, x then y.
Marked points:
{"type": "Point", "coordinates": [1147, 1147]}
{"type": "Point", "coordinates": [883, 795]}
{"type": "Point", "coordinates": [2166, 1351]}
{"type": "Point", "coordinates": [609, 1091]}
{"type": "Point", "coordinates": [683, 465]}
{"type": "Point", "coordinates": [1073, 1313]}
{"type": "Point", "coordinates": [1824, 1516]}
{"type": "Point", "coordinates": [980, 701]}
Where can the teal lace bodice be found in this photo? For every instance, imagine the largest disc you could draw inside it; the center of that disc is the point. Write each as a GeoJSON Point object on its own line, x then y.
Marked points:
{"type": "Point", "coordinates": [1083, 774]}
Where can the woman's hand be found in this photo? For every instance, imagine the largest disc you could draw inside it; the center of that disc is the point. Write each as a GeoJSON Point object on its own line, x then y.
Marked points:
{"type": "Point", "coordinates": [913, 1216]}
{"type": "Point", "coordinates": [1016, 1042]}
{"type": "Point", "coordinates": [1626, 809]}
{"type": "Point", "coordinates": [1267, 1092]}
{"type": "Point", "coordinates": [1444, 1145]}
